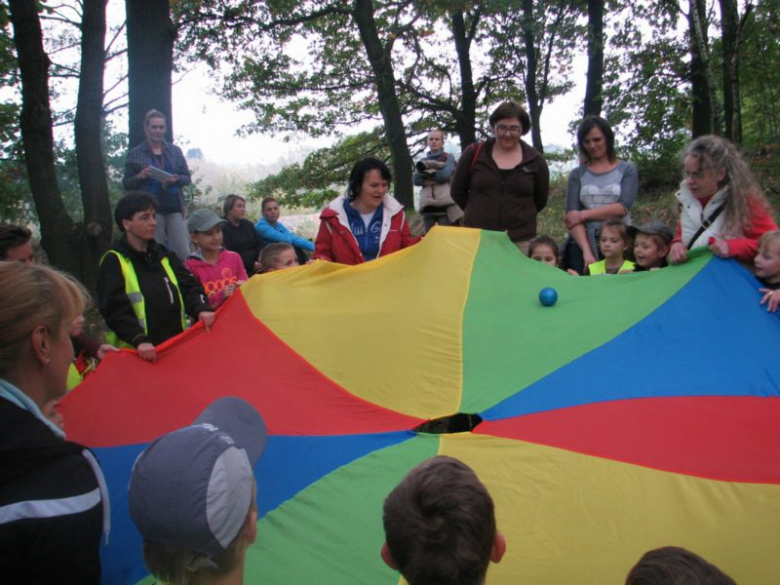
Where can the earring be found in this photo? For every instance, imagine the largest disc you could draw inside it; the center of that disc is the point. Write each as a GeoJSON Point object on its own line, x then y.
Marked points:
{"type": "Point", "coordinates": [48, 360]}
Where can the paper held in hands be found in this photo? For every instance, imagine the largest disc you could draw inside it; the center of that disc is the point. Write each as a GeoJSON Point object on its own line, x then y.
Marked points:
{"type": "Point", "coordinates": [159, 175]}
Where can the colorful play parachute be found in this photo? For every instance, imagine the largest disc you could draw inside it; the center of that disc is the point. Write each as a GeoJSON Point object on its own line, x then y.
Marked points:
{"type": "Point", "coordinates": [639, 411]}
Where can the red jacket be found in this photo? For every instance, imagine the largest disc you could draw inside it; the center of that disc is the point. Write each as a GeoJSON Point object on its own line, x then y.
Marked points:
{"type": "Point", "coordinates": [335, 242]}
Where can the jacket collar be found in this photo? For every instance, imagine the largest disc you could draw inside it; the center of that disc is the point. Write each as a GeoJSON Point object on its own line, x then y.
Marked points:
{"type": "Point", "coordinates": [14, 395]}
{"type": "Point", "coordinates": [529, 152]}
{"type": "Point", "coordinates": [684, 195]}
{"type": "Point", "coordinates": [389, 203]}
{"type": "Point", "coordinates": [153, 250]}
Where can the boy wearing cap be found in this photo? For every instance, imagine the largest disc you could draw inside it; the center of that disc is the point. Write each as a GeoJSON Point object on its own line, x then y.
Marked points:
{"type": "Point", "coordinates": [652, 242]}
{"type": "Point", "coordinates": [192, 495]}
{"type": "Point", "coordinates": [440, 525]}
{"type": "Point", "coordinates": [144, 291]}
{"type": "Point", "coordinates": [219, 271]}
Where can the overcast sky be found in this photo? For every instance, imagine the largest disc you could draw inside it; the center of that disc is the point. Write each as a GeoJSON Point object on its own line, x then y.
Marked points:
{"type": "Point", "coordinates": [203, 120]}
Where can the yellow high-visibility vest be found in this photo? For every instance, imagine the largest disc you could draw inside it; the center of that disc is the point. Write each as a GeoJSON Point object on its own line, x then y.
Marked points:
{"type": "Point", "coordinates": [600, 267]}
{"type": "Point", "coordinates": [133, 291]}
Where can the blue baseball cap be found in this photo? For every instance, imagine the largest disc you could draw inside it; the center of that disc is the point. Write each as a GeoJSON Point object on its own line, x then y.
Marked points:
{"type": "Point", "coordinates": [193, 487]}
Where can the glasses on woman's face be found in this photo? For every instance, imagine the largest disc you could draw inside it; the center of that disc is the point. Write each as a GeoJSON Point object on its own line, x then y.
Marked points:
{"type": "Point", "coordinates": [501, 129]}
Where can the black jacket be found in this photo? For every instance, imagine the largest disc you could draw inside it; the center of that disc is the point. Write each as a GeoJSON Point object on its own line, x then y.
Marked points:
{"type": "Point", "coordinates": [163, 310]}
{"type": "Point", "coordinates": [244, 240]}
{"type": "Point", "coordinates": [40, 544]}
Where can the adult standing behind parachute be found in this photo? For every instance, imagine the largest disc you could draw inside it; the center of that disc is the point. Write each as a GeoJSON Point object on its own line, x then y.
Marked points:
{"type": "Point", "coordinates": [160, 169]}
{"type": "Point", "coordinates": [144, 291]}
{"type": "Point", "coordinates": [502, 183]}
{"type": "Point", "coordinates": [722, 204]}
{"type": "Point", "coordinates": [433, 174]}
{"type": "Point", "coordinates": [366, 222]}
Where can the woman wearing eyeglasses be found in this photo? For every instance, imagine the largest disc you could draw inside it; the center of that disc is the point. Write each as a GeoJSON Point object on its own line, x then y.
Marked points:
{"type": "Point", "coordinates": [502, 183]}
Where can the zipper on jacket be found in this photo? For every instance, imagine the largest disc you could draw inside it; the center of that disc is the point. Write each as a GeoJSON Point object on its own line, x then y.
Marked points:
{"type": "Point", "coordinates": [168, 286]}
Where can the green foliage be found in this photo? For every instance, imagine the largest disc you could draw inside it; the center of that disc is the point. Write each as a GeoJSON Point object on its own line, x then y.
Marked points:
{"type": "Point", "coordinates": [430, 77]}
{"type": "Point", "coordinates": [66, 165]}
{"type": "Point", "coordinates": [760, 76]}
{"type": "Point", "coordinates": [302, 67]}
{"type": "Point", "coordinates": [646, 80]}
{"type": "Point", "coordinates": [296, 66]}
{"type": "Point", "coordinates": [556, 29]}
{"type": "Point", "coordinates": [15, 199]}
{"type": "Point", "coordinates": [324, 172]}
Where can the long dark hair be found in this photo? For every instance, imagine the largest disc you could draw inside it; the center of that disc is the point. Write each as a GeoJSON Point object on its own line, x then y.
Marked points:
{"type": "Point", "coordinates": [588, 124]}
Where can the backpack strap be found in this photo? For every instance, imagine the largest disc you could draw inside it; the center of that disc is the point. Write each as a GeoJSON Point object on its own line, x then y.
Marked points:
{"type": "Point", "coordinates": [476, 154]}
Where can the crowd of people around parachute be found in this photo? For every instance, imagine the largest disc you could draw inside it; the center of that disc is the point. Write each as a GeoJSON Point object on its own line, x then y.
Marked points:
{"type": "Point", "coordinates": [498, 184]}
{"type": "Point", "coordinates": [148, 294]}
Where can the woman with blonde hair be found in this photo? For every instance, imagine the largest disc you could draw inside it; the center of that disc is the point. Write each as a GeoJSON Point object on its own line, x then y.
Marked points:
{"type": "Point", "coordinates": [722, 204]}
{"type": "Point", "coordinates": [159, 168]}
{"type": "Point", "coordinates": [52, 493]}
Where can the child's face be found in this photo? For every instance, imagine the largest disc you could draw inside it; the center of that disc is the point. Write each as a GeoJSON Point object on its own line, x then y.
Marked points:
{"type": "Point", "coordinates": [285, 259]}
{"type": "Point", "coordinates": [545, 254]}
{"type": "Point", "coordinates": [768, 262]}
{"type": "Point", "coordinates": [648, 252]}
{"type": "Point", "coordinates": [78, 326]}
{"type": "Point", "coordinates": [22, 253]}
{"type": "Point", "coordinates": [209, 241]}
{"type": "Point", "coordinates": [611, 244]}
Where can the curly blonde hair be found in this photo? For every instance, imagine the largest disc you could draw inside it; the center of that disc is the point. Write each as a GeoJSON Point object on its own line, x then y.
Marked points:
{"type": "Point", "coordinates": [717, 154]}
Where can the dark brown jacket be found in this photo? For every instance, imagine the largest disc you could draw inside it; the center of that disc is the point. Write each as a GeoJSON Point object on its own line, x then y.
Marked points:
{"type": "Point", "coordinates": [507, 205]}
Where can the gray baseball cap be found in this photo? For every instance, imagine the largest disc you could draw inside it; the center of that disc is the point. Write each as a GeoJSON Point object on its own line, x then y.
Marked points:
{"type": "Point", "coordinates": [654, 228]}
{"type": "Point", "coordinates": [202, 220]}
{"type": "Point", "coordinates": [192, 488]}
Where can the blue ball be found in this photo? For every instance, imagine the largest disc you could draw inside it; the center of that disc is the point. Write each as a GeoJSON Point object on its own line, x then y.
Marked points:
{"type": "Point", "coordinates": [548, 296]}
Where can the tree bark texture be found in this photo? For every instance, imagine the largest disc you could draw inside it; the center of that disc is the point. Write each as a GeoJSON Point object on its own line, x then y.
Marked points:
{"type": "Point", "coordinates": [729, 17]}
{"type": "Point", "coordinates": [389, 106]}
{"type": "Point", "coordinates": [89, 151]}
{"type": "Point", "coordinates": [706, 119]}
{"type": "Point", "coordinates": [595, 75]}
{"type": "Point", "coordinates": [150, 37]}
{"type": "Point", "coordinates": [466, 117]}
{"type": "Point", "coordinates": [531, 66]}
{"type": "Point", "coordinates": [57, 229]}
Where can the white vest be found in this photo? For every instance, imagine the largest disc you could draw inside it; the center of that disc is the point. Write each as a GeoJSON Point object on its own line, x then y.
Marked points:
{"type": "Point", "coordinates": [692, 216]}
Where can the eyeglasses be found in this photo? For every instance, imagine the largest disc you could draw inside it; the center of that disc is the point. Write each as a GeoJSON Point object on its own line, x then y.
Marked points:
{"type": "Point", "coordinates": [501, 129]}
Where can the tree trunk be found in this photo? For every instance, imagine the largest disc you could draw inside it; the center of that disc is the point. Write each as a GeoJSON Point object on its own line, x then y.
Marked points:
{"type": "Point", "coordinates": [595, 76]}
{"type": "Point", "coordinates": [89, 151]}
{"type": "Point", "coordinates": [382, 67]}
{"type": "Point", "coordinates": [466, 117]}
{"type": "Point", "coordinates": [729, 16]}
{"type": "Point", "coordinates": [150, 36]}
{"type": "Point", "coordinates": [531, 65]}
{"type": "Point", "coordinates": [57, 229]}
{"type": "Point", "coordinates": [700, 97]}
{"type": "Point", "coordinates": [706, 119]}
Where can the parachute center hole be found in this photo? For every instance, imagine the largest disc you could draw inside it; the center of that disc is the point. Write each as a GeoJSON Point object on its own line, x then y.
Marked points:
{"type": "Point", "coordinates": [454, 423]}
